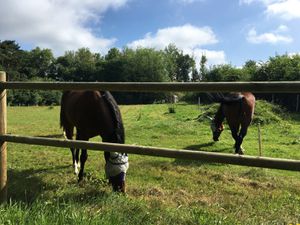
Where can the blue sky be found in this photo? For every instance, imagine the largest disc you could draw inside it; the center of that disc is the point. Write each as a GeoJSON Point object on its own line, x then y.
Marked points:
{"type": "Point", "coordinates": [231, 31]}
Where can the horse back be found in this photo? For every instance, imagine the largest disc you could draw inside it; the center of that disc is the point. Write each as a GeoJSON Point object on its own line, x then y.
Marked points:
{"type": "Point", "coordinates": [239, 107]}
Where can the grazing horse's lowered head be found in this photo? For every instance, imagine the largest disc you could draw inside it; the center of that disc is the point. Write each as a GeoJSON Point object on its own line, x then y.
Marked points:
{"type": "Point", "coordinates": [238, 109]}
{"type": "Point", "coordinates": [95, 113]}
{"type": "Point", "coordinates": [216, 128]}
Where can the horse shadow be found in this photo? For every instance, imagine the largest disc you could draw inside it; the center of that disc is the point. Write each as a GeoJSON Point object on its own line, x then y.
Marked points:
{"type": "Point", "coordinates": [200, 147]}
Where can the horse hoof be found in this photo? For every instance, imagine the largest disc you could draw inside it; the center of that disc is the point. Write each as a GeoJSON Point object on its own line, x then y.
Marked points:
{"type": "Point", "coordinates": [80, 181]}
{"type": "Point", "coordinates": [241, 152]}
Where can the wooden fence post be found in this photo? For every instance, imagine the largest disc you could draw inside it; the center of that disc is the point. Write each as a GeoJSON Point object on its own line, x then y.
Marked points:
{"type": "Point", "coordinates": [3, 152]}
{"type": "Point", "coordinates": [259, 140]}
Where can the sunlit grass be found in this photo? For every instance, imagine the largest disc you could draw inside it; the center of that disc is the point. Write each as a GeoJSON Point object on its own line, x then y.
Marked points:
{"type": "Point", "coordinates": [44, 190]}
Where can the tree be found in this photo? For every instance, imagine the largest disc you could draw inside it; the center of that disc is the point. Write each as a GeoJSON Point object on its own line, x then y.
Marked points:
{"type": "Point", "coordinates": [65, 67]}
{"type": "Point", "coordinates": [140, 65]}
{"type": "Point", "coordinates": [203, 69]}
{"type": "Point", "coordinates": [82, 65]}
{"type": "Point", "coordinates": [224, 72]}
{"type": "Point", "coordinates": [185, 64]}
{"type": "Point", "coordinates": [113, 66]}
{"type": "Point", "coordinates": [195, 74]}
{"type": "Point", "coordinates": [11, 59]}
{"type": "Point", "coordinates": [112, 54]}
{"type": "Point", "coordinates": [37, 63]}
{"type": "Point", "coordinates": [171, 54]}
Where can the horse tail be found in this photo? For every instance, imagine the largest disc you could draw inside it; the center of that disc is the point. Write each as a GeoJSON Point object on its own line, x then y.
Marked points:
{"type": "Point", "coordinates": [115, 110]}
{"type": "Point", "coordinates": [63, 119]}
{"type": "Point", "coordinates": [215, 97]}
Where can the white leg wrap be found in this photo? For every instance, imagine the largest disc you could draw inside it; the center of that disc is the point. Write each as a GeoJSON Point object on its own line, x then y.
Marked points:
{"type": "Point", "coordinates": [76, 167]}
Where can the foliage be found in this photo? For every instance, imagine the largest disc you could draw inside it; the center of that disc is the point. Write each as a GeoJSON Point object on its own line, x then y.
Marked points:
{"type": "Point", "coordinates": [280, 68]}
{"type": "Point", "coordinates": [224, 72]}
{"type": "Point", "coordinates": [267, 113]}
{"type": "Point", "coordinates": [139, 65]}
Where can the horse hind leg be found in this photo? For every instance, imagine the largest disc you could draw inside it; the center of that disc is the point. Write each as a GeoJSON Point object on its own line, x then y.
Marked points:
{"type": "Point", "coordinates": [234, 134]}
{"type": "Point", "coordinates": [240, 139]}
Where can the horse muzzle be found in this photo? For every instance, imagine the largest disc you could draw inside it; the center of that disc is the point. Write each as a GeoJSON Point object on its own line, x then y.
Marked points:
{"type": "Point", "coordinates": [118, 182]}
{"type": "Point", "coordinates": [215, 138]}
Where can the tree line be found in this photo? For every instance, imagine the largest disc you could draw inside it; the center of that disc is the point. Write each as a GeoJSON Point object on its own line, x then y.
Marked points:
{"type": "Point", "coordinates": [133, 65]}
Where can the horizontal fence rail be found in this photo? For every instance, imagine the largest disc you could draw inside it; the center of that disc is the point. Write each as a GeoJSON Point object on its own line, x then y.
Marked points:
{"type": "Point", "coordinates": [243, 160]}
{"type": "Point", "coordinates": [257, 87]}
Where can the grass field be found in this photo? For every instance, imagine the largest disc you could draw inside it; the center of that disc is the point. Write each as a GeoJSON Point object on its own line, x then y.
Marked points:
{"type": "Point", "coordinates": [43, 189]}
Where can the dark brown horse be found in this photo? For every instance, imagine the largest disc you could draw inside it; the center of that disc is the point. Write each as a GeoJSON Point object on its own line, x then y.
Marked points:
{"type": "Point", "coordinates": [95, 113]}
{"type": "Point", "coordinates": [238, 109]}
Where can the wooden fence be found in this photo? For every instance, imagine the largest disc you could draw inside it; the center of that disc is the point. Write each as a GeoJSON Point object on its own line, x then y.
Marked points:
{"type": "Point", "coordinates": [259, 87]}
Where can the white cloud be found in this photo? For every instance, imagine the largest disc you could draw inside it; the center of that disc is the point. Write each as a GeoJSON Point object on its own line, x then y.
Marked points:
{"type": "Point", "coordinates": [213, 57]}
{"type": "Point", "coordinates": [57, 24]}
{"type": "Point", "coordinates": [266, 2]}
{"type": "Point", "coordinates": [188, 1]}
{"type": "Point", "coordinates": [285, 9]}
{"type": "Point", "coordinates": [188, 38]}
{"type": "Point", "coordinates": [294, 54]}
{"type": "Point", "coordinates": [269, 37]}
{"type": "Point", "coordinates": [282, 28]}
{"type": "Point", "coordinates": [288, 9]}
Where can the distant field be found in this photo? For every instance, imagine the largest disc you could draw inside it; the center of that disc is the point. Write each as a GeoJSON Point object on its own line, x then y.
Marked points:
{"type": "Point", "coordinates": [44, 190]}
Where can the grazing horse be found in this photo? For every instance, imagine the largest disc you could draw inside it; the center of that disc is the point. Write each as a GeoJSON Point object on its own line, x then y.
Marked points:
{"type": "Point", "coordinates": [238, 109]}
{"type": "Point", "coordinates": [95, 113]}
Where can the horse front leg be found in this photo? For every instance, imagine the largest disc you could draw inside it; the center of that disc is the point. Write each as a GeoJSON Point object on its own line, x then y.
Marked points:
{"type": "Point", "coordinates": [83, 155]}
{"type": "Point", "coordinates": [75, 152]}
{"type": "Point", "coordinates": [76, 162]}
{"type": "Point", "coordinates": [83, 158]}
{"type": "Point", "coordinates": [68, 134]}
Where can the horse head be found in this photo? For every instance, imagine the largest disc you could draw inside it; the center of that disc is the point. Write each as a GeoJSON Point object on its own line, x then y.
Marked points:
{"type": "Point", "coordinates": [216, 129]}
{"type": "Point", "coordinates": [115, 168]}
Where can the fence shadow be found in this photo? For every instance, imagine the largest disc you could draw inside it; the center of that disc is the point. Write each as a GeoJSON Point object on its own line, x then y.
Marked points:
{"type": "Point", "coordinates": [52, 136]}
{"type": "Point", "coordinates": [200, 147]}
{"type": "Point", "coordinates": [26, 185]}
{"type": "Point", "coordinates": [86, 197]}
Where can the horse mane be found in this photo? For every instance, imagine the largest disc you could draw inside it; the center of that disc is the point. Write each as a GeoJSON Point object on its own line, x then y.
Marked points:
{"type": "Point", "coordinates": [118, 123]}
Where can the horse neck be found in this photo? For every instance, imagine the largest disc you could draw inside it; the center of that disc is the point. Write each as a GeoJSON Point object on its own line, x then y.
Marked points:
{"type": "Point", "coordinates": [117, 135]}
{"type": "Point", "coordinates": [219, 116]}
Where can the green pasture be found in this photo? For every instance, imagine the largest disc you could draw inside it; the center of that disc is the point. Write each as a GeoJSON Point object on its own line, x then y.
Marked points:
{"type": "Point", "coordinates": [43, 189]}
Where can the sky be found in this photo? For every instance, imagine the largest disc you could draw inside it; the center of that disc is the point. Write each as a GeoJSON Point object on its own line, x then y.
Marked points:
{"type": "Point", "coordinates": [225, 31]}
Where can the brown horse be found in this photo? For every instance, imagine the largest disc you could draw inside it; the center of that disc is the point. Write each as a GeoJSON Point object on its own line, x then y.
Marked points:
{"type": "Point", "coordinates": [95, 113]}
{"type": "Point", "coordinates": [238, 109]}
